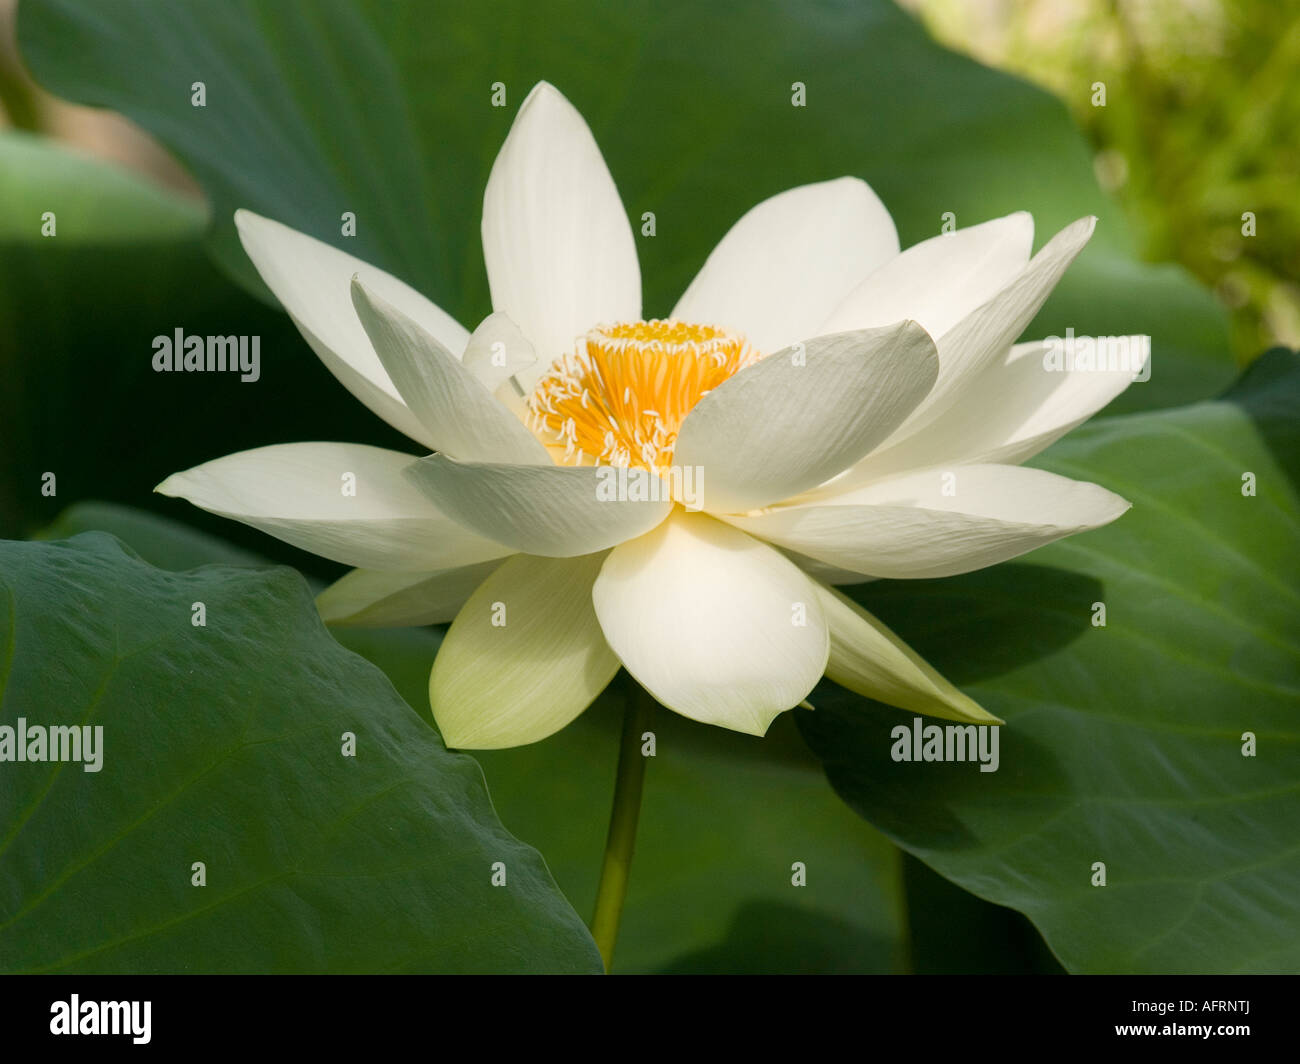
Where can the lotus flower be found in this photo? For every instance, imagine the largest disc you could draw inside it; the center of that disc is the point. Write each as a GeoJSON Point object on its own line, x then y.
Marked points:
{"type": "Point", "coordinates": [818, 409]}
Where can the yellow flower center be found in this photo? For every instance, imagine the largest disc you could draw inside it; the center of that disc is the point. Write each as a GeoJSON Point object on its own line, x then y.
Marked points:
{"type": "Point", "coordinates": [620, 398]}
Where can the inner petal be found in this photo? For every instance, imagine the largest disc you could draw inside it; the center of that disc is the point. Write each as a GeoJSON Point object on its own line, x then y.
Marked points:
{"type": "Point", "coordinates": [621, 396]}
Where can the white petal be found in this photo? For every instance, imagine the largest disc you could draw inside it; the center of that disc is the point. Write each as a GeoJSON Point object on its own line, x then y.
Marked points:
{"type": "Point", "coordinates": [790, 261]}
{"type": "Point", "coordinates": [455, 407]}
{"type": "Point", "coordinates": [311, 280]}
{"type": "Point", "coordinates": [983, 338]}
{"type": "Point", "coordinates": [1037, 406]}
{"type": "Point", "coordinates": [908, 526]}
{"type": "Point", "coordinates": [1010, 413]}
{"type": "Point", "coordinates": [297, 493]}
{"type": "Point", "coordinates": [553, 511]}
{"type": "Point", "coordinates": [524, 656]}
{"type": "Point", "coordinates": [868, 658]}
{"type": "Point", "coordinates": [794, 419]}
{"type": "Point", "coordinates": [560, 254]}
{"type": "Point", "coordinates": [371, 598]}
{"type": "Point", "coordinates": [715, 625]}
{"type": "Point", "coordinates": [939, 281]}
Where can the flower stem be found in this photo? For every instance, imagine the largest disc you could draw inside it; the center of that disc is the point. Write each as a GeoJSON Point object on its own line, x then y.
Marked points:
{"type": "Point", "coordinates": [622, 822]}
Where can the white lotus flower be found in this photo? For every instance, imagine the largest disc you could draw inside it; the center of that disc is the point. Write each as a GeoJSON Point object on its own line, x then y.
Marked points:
{"type": "Point", "coordinates": [832, 390]}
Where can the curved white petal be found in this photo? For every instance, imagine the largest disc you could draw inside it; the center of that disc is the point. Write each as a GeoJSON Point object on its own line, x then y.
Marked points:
{"type": "Point", "coordinates": [983, 337]}
{"type": "Point", "coordinates": [559, 250]}
{"type": "Point", "coordinates": [311, 280]}
{"type": "Point", "coordinates": [346, 502]}
{"type": "Point", "coordinates": [868, 658]}
{"type": "Point", "coordinates": [714, 624]}
{"type": "Point", "coordinates": [1010, 412]}
{"type": "Point", "coordinates": [524, 657]}
{"type": "Point", "coordinates": [789, 262]}
{"type": "Point", "coordinates": [909, 526]}
{"type": "Point", "coordinates": [553, 511]}
{"type": "Point", "coordinates": [939, 281]}
{"type": "Point", "coordinates": [372, 598]}
{"type": "Point", "coordinates": [455, 407]}
{"type": "Point", "coordinates": [794, 419]}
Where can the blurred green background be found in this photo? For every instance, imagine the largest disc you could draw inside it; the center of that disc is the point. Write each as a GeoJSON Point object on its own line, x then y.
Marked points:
{"type": "Point", "coordinates": [1199, 122]}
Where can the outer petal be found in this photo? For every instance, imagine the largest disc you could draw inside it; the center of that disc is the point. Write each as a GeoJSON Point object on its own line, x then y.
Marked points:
{"type": "Point", "coordinates": [868, 658]}
{"type": "Point", "coordinates": [524, 656]}
{"type": "Point", "coordinates": [1010, 413]}
{"type": "Point", "coordinates": [908, 527]}
{"type": "Point", "coordinates": [939, 281]}
{"type": "Point", "coordinates": [715, 625]}
{"type": "Point", "coordinates": [311, 280]}
{"type": "Point", "coordinates": [554, 511]}
{"type": "Point", "coordinates": [793, 420]}
{"type": "Point", "coordinates": [982, 339]}
{"type": "Point", "coordinates": [559, 250]}
{"type": "Point", "coordinates": [790, 261]}
{"type": "Point", "coordinates": [372, 598]}
{"type": "Point", "coordinates": [295, 492]}
{"type": "Point", "coordinates": [457, 409]}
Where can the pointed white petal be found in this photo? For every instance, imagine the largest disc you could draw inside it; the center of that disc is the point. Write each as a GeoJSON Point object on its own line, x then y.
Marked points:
{"type": "Point", "coordinates": [1010, 412]}
{"type": "Point", "coordinates": [553, 511]}
{"type": "Point", "coordinates": [298, 492]}
{"type": "Point", "coordinates": [983, 338]}
{"type": "Point", "coordinates": [715, 625]}
{"type": "Point", "coordinates": [311, 280]}
{"type": "Point", "coordinates": [868, 658]}
{"type": "Point", "coordinates": [457, 410]}
{"type": "Point", "coordinates": [790, 261]}
{"type": "Point", "coordinates": [909, 526]}
{"type": "Point", "coordinates": [560, 254]}
{"type": "Point", "coordinates": [939, 281]}
{"type": "Point", "coordinates": [794, 419]}
{"type": "Point", "coordinates": [524, 657]}
{"type": "Point", "coordinates": [371, 598]}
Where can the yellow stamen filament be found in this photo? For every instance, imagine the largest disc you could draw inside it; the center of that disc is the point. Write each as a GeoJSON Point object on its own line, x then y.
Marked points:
{"type": "Point", "coordinates": [621, 396]}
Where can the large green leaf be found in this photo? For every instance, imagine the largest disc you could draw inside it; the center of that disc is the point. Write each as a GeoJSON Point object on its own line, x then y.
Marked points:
{"type": "Point", "coordinates": [1123, 744]}
{"type": "Point", "coordinates": [223, 744]}
{"type": "Point", "coordinates": [712, 883]}
{"type": "Point", "coordinates": [384, 109]}
{"type": "Point", "coordinates": [404, 654]}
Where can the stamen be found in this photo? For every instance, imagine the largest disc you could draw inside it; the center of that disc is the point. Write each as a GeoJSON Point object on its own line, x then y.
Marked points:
{"type": "Point", "coordinates": [621, 397]}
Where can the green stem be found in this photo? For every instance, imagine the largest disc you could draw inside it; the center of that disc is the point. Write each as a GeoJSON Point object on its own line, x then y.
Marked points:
{"type": "Point", "coordinates": [622, 823]}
